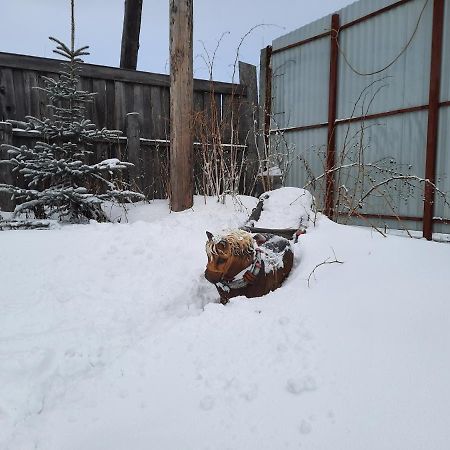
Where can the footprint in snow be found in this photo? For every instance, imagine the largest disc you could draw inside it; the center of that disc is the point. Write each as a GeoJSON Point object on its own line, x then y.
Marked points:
{"type": "Point", "coordinates": [298, 386]}
{"type": "Point", "coordinates": [207, 403]}
{"type": "Point", "coordinates": [250, 392]}
{"type": "Point", "coordinates": [305, 427]}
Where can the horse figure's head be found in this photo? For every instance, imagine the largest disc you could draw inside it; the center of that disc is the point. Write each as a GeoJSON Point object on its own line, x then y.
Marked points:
{"type": "Point", "coordinates": [228, 255]}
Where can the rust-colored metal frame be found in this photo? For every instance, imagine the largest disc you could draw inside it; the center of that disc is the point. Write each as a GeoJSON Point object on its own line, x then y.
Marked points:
{"type": "Point", "coordinates": [432, 107]}
{"type": "Point", "coordinates": [433, 116]}
{"type": "Point", "coordinates": [268, 95]}
{"type": "Point", "coordinates": [332, 111]}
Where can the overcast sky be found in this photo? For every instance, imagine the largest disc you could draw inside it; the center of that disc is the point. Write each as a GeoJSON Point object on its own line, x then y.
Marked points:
{"type": "Point", "coordinates": [26, 25]}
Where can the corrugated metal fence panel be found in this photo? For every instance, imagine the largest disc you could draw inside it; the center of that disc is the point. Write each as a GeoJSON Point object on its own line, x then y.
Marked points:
{"type": "Point", "coordinates": [359, 9]}
{"type": "Point", "coordinates": [312, 29]}
{"type": "Point", "coordinates": [443, 169]}
{"type": "Point", "coordinates": [304, 155]}
{"type": "Point", "coordinates": [375, 138]}
{"type": "Point", "coordinates": [445, 77]}
{"type": "Point", "coordinates": [374, 44]}
{"type": "Point", "coordinates": [299, 76]}
{"type": "Point", "coordinates": [300, 98]}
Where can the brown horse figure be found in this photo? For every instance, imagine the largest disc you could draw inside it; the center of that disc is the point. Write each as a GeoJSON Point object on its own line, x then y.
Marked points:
{"type": "Point", "coordinates": [243, 263]}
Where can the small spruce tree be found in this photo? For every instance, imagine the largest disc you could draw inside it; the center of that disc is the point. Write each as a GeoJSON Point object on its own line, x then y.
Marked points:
{"type": "Point", "coordinates": [61, 182]}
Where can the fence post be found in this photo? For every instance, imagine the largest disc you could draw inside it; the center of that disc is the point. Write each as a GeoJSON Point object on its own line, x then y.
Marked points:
{"type": "Point", "coordinates": [265, 95]}
{"type": "Point", "coordinates": [433, 117]}
{"type": "Point", "coordinates": [332, 105]}
{"type": "Point", "coordinates": [134, 150]}
{"type": "Point", "coordinates": [248, 117]}
{"type": "Point", "coordinates": [6, 176]}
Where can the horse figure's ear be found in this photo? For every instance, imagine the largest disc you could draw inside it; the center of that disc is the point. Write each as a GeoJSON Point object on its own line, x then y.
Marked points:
{"type": "Point", "coordinates": [210, 235]}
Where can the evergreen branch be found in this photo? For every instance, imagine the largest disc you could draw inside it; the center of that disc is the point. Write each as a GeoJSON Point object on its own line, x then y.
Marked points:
{"type": "Point", "coordinates": [27, 224]}
{"type": "Point", "coordinates": [62, 53]}
{"type": "Point", "coordinates": [63, 47]}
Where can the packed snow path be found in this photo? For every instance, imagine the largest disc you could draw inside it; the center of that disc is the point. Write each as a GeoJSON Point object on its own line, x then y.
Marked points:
{"type": "Point", "coordinates": [110, 339]}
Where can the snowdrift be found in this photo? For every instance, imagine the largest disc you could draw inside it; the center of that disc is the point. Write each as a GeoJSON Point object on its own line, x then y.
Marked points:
{"type": "Point", "coordinates": [110, 339]}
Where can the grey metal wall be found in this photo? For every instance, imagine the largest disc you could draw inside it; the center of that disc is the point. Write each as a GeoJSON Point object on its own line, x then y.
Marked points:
{"type": "Point", "coordinates": [300, 84]}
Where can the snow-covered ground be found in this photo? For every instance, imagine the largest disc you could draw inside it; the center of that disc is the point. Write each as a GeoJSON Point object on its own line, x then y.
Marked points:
{"type": "Point", "coordinates": [111, 339]}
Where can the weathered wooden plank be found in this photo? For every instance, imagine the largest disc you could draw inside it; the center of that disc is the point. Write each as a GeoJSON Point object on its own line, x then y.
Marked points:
{"type": "Point", "coordinates": [162, 186]}
{"type": "Point", "coordinates": [31, 93]}
{"type": "Point", "coordinates": [119, 106]}
{"type": "Point", "coordinates": [147, 111]}
{"type": "Point", "coordinates": [157, 128]}
{"type": "Point", "coordinates": [199, 103]}
{"type": "Point", "coordinates": [6, 176]}
{"type": "Point", "coordinates": [136, 173]}
{"type": "Point", "coordinates": [12, 60]}
{"type": "Point", "coordinates": [3, 115]}
{"type": "Point", "coordinates": [230, 119]}
{"type": "Point", "coordinates": [138, 99]}
{"type": "Point", "coordinates": [99, 117]}
{"type": "Point", "coordinates": [7, 94]}
{"type": "Point", "coordinates": [165, 113]}
{"type": "Point", "coordinates": [110, 105]}
{"type": "Point", "coordinates": [199, 114]}
{"type": "Point", "coordinates": [19, 97]}
{"type": "Point", "coordinates": [157, 182]}
{"type": "Point", "coordinates": [41, 96]}
{"type": "Point", "coordinates": [129, 98]}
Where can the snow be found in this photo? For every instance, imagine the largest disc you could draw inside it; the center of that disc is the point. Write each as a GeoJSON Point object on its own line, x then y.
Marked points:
{"type": "Point", "coordinates": [273, 260]}
{"type": "Point", "coordinates": [287, 207]}
{"type": "Point", "coordinates": [111, 339]}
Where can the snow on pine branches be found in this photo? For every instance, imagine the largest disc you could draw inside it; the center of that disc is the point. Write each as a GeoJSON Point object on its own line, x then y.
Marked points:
{"type": "Point", "coordinates": [61, 181]}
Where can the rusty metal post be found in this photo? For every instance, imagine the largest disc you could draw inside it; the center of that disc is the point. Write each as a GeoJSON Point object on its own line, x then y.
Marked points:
{"type": "Point", "coordinates": [433, 117]}
{"type": "Point", "coordinates": [268, 95]}
{"type": "Point", "coordinates": [332, 105]}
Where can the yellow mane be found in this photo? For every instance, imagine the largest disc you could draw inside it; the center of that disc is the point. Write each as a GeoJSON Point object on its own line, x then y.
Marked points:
{"type": "Point", "coordinates": [241, 243]}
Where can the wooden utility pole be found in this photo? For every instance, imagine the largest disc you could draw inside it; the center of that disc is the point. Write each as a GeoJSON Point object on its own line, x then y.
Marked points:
{"type": "Point", "coordinates": [130, 34]}
{"type": "Point", "coordinates": [181, 105]}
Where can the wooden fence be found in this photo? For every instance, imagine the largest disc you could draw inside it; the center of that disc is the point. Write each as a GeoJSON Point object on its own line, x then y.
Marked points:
{"type": "Point", "coordinates": [134, 102]}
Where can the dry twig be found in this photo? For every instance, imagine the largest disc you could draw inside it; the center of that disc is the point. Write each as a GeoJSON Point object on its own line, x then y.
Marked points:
{"type": "Point", "coordinates": [327, 261]}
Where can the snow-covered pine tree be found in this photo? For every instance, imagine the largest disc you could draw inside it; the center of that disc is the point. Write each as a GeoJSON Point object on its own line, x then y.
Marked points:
{"type": "Point", "coordinates": [61, 182]}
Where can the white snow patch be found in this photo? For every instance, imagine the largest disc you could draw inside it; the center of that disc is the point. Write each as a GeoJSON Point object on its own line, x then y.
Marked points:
{"type": "Point", "coordinates": [110, 339]}
{"type": "Point", "coordinates": [286, 207]}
